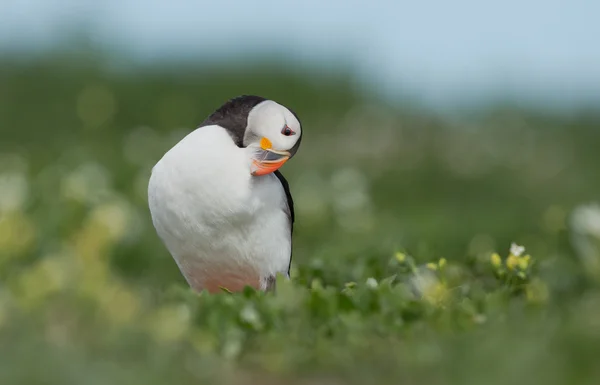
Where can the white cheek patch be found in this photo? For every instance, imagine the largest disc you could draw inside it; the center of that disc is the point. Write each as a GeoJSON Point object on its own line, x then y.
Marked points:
{"type": "Point", "coordinates": [268, 119]}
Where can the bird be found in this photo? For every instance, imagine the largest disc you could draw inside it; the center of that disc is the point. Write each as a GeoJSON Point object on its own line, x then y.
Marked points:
{"type": "Point", "coordinates": [219, 202]}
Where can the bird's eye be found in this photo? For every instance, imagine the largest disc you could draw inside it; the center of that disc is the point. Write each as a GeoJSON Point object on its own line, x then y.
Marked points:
{"type": "Point", "coordinates": [287, 131]}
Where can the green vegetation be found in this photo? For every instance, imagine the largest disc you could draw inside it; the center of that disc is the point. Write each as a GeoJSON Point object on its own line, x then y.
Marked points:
{"type": "Point", "coordinates": [403, 269]}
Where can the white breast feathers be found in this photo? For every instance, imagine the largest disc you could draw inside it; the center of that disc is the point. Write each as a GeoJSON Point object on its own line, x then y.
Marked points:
{"type": "Point", "coordinates": [224, 227]}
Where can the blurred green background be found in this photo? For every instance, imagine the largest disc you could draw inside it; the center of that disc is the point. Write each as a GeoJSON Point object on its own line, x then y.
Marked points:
{"type": "Point", "coordinates": [88, 294]}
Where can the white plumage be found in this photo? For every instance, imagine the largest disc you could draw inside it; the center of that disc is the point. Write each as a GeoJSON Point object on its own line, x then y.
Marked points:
{"type": "Point", "coordinates": [224, 227]}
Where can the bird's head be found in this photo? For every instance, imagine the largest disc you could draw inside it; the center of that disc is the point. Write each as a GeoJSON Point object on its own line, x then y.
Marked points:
{"type": "Point", "coordinates": [271, 132]}
{"type": "Point", "coordinates": [274, 133]}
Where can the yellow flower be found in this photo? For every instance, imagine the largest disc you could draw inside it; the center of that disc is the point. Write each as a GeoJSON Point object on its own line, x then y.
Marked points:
{"type": "Point", "coordinates": [512, 261]}
{"type": "Point", "coordinates": [432, 266]}
{"type": "Point", "coordinates": [442, 263]}
{"type": "Point", "coordinates": [430, 287]}
{"type": "Point", "coordinates": [524, 262]}
{"type": "Point", "coordinates": [400, 257]}
{"type": "Point", "coordinates": [436, 293]}
{"type": "Point", "coordinates": [496, 260]}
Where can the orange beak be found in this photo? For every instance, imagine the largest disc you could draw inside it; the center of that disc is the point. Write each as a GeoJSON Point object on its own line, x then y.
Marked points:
{"type": "Point", "coordinates": [268, 160]}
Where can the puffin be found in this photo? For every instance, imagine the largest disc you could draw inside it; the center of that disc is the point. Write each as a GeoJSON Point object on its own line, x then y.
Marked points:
{"type": "Point", "coordinates": [219, 202]}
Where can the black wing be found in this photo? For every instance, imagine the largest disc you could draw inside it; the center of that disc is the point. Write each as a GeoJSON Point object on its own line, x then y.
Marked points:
{"type": "Point", "coordinates": [290, 205]}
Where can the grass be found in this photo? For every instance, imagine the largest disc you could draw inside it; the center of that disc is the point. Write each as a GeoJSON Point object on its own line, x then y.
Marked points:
{"type": "Point", "coordinates": [403, 268]}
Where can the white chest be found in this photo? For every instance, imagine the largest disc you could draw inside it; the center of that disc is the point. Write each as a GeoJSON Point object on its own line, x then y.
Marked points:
{"type": "Point", "coordinates": [222, 226]}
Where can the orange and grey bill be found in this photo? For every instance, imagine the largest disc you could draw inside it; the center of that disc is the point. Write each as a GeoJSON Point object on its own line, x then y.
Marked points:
{"type": "Point", "coordinates": [268, 166]}
{"type": "Point", "coordinates": [268, 160]}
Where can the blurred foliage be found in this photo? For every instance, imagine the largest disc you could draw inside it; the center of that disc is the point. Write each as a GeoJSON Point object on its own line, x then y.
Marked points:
{"type": "Point", "coordinates": [402, 271]}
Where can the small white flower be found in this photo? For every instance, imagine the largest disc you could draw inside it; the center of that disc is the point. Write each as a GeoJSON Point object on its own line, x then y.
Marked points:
{"type": "Point", "coordinates": [516, 250]}
{"type": "Point", "coordinates": [585, 236]}
{"type": "Point", "coordinates": [14, 188]}
{"type": "Point", "coordinates": [250, 315]}
{"type": "Point", "coordinates": [586, 219]}
{"type": "Point", "coordinates": [372, 283]}
{"type": "Point", "coordinates": [424, 282]}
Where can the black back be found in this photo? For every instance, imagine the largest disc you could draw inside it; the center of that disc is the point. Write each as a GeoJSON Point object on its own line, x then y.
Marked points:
{"type": "Point", "coordinates": [233, 116]}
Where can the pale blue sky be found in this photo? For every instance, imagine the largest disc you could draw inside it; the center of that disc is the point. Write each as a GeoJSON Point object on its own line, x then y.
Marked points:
{"type": "Point", "coordinates": [444, 51]}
